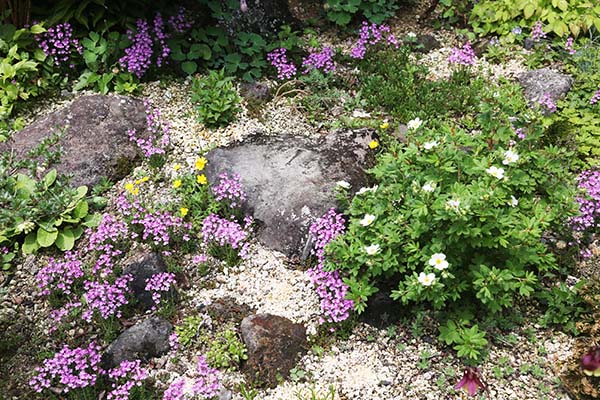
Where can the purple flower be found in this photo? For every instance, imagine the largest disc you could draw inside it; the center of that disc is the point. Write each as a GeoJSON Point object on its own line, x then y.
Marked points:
{"type": "Point", "coordinates": [159, 139]}
{"type": "Point", "coordinates": [569, 45]}
{"type": "Point", "coordinates": [106, 298]}
{"type": "Point", "coordinates": [175, 391]}
{"type": "Point", "coordinates": [520, 132]}
{"type": "Point", "coordinates": [285, 68]}
{"type": "Point", "coordinates": [180, 22]}
{"type": "Point", "coordinates": [370, 35]}
{"type": "Point", "coordinates": [58, 42]}
{"type": "Point", "coordinates": [59, 275]}
{"type": "Point", "coordinates": [207, 383]}
{"type": "Point", "coordinates": [463, 55]}
{"type": "Point", "coordinates": [221, 231]}
{"type": "Point", "coordinates": [471, 381]}
{"type": "Point", "coordinates": [230, 189]}
{"type": "Point", "coordinates": [328, 284]}
{"type": "Point", "coordinates": [138, 56]}
{"type": "Point", "coordinates": [517, 30]}
{"type": "Point", "coordinates": [538, 33]}
{"type": "Point", "coordinates": [547, 102]}
{"type": "Point", "coordinates": [158, 283]}
{"type": "Point", "coordinates": [595, 97]}
{"type": "Point", "coordinates": [322, 60]}
{"type": "Point", "coordinates": [124, 377]}
{"type": "Point", "coordinates": [590, 362]}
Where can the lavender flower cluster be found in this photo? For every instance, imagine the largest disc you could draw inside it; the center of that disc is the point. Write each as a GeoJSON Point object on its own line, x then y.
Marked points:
{"type": "Point", "coordinates": [180, 22]}
{"type": "Point", "coordinates": [159, 283]}
{"type": "Point", "coordinates": [161, 40]}
{"type": "Point", "coordinates": [569, 45]}
{"type": "Point", "coordinates": [321, 60]}
{"type": "Point", "coordinates": [589, 204]}
{"type": "Point", "coordinates": [72, 368]}
{"type": "Point", "coordinates": [595, 97]}
{"type": "Point", "coordinates": [278, 59]}
{"type": "Point", "coordinates": [371, 35]}
{"type": "Point", "coordinates": [463, 55]}
{"type": "Point", "coordinates": [159, 140]}
{"type": "Point", "coordinates": [328, 284]}
{"type": "Point", "coordinates": [230, 189]}
{"type": "Point", "coordinates": [206, 384]}
{"type": "Point", "coordinates": [58, 42]}
{"type": "Point", "coordinates": [59, 275]}
{"type": "Point", "coordinates": [124, 378]}
{"type": "Point", "coordinates": [537, 33]}
{"type": "Point", "coordinates": [221, 231]}
{"type": "Point", "coordinates": [547, 102]}
{"type": "Point", "coordinates": [106, 298]}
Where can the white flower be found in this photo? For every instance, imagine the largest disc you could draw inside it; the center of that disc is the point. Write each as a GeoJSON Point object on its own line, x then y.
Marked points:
{"type": "Point", "coordinates": [414, 123]}
{"type": "Point", "coordinates": [343, 184]}
{"type": "Point", "coordinates": [430, 145]}
{"type": "Point", "coordinates": [360, 114]}
{"type": "Point", "coordinates": [495, 172]}
{"type": "Point", "coordinates": [426, 279]}
{"type": "Point", "coordinates": [438, 261]}
{"type": "Point", "coordinates": [372, 249]}
{"type": "Point", "coordinates": [510, 157]}
{"type": "Point", "coordinates": [453, 203]}
{"type": "Point", "coordinates": [365, 190]}
{"type": "Point", "coordinates": [513, 201]}
{"type": "Point", "coordinates": [411, 35]}
{"type": "Point", "coordinates": [367, 220]}
{"type": "Point", "coordinates": [428, 187]}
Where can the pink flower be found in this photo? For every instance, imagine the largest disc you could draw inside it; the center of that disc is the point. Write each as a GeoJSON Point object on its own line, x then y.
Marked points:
{"type": "Point", "coordinates": [471, 381]}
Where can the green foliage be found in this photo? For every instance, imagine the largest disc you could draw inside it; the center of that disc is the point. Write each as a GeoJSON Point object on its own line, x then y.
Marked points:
{"type": "Point", "coordinates": [40, 212]}
{"type": "Point", "coordinates": [226, 351]}
{"type": "Point", "coordinates": [455, 12]}
{"type": "Point", "coordinates": [19, 67]}
{"type": "Point", "coordinates": [562, 17]}
{"type": "Point", "coordinates": [188, 329]}
{"type": "Point", "coordinates": [102, 72]}
{"type": "Point", "coordinates": [376, 11]}
{"type": "Point", "coordinates": [436, 194]}
{"type": "Point", "coordinates": [468, 342]}
{"type": "Point", "coordinates": [216, 98]}
{"type": "Point", "coordinates": [389, 80]}
{"type": "Point", "coordinates": [315, 394]}
{"type": "Point", "coordinates": [564, 306]}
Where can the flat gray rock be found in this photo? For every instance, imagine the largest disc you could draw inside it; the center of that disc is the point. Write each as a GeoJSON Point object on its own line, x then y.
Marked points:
{"type": "Point", "coordinates": [291, 180]}
{"type": "Point", "coordinates": [94, 140]}
{"type": "Point", "coordinates": [538, 82]}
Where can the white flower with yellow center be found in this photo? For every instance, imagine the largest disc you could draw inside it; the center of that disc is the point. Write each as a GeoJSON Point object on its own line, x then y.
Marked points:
{"type": "Point", "coordinates": [367, 220]}
{"type": "Point", "coordinates": [438, 261]}
{"type": "Point", "coordinates": [414, 123]}
{"type": "Point", "coordinates": [496, 172]}
{"type": "Point", "coordinates": [426, 279]}
{"type": "Point", "coordinates": [513, 201]}
{"type": "Point", "coordinates": [430, 145]}
{"type": "Point", "coordinates": [428, 187]}
{"type": "Point", "coordinates": [510, 157]}
{"type": "Point", "coordinates": [372, 249]}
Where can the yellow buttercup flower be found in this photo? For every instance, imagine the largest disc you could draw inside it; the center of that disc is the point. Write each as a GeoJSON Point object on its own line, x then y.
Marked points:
{"type": "Point", "coordinates": [200, 163]}
{"type": "Point", "coordinates": [374, 144]}
{"type": "Point", "coordinates": [183, 211]}
{"type": "Point", "coordinates": [201, 179]}
{"type": "Point", "coordinates": [131, 188]}
{"type": "Point", "coordinates": [384, 125]}
{"type": "Point", "coordinates": [177, 183]}
{"type": "Point", "coordinates": [177, 167]}
{"type": "Point", "coordinates": [145, 179]}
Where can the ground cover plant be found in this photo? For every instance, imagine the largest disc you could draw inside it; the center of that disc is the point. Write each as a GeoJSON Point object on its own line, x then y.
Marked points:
{"type": "Point", "coordinates": [470, 252]}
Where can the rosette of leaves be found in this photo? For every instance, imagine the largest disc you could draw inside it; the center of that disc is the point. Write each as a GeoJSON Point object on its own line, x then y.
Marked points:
{"type": "Point", "coordinates": [216, 97]}
{"type": "Point", "coordinates": [226, 351]}
{"type": "Point", "coordinates": [437, 194]}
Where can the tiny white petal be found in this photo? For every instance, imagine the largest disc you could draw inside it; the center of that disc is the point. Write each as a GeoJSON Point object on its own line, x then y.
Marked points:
{"type": "Point", "coordinates": [367, 220]}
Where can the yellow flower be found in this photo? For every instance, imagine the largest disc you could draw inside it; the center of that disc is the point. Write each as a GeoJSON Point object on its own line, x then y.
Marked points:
{"type": "Point", "coordinates": [140, 181]}
{"type": "Point", "coordinates": [177, 167]}
{"type": "Point", "coordinates": [201, 179]}
{"type": "Point", "coordinates": [129, 187]}
{"type": "Point", "coordinates": [145, 179]}
{"type": "Point", "coordinates": [384, 125]}
{"type": "Point", "coordinates": [177, 183]}
{"type": "Point", "coordinates": [200, 163]}
{"type": "Point", "coordinates": [183, 211]}
{"type": "Point", "coordinates": [374, 144]}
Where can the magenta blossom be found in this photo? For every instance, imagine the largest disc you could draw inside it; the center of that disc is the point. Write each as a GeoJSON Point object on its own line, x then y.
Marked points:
{"type": "Point", "coordinates": [471, 381]}
{"type": "Point", "coordinates": [590, 362]}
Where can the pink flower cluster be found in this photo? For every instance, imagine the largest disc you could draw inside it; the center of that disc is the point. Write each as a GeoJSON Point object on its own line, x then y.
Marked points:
{"type": "Point", "coordinates": [463, 55]}
{"type": "Point", "coordinates": [158, 283]}
{"type": "Point", "coordinates": [230, 189]}
{"type": "Point", "coordinates": [221, 231]}
{"type": "Point", "coordinates": [322, 60]}
{"type": "Point", "coordinates": [589, 203]}
{"type": "Point", "coordinates": [547, 102]}
{"type": "Point", "coordinates": [58, 42]}
{"type": "Point", "coordinates": [537, 33]}
{"type": "Point", "coordinates": [278, 59]}
{"type": "Point", "coordinates": [371, 35]}
{"type": "Point", "coordinates": [104, 241]}
{"type": "Point", "coordinates": [207, 384]}
{"type": "Point", "coordinates": [595, 97]}
{"type": "Point", "coordinates": [72, 368]}
{"type": "Point", "coordinates": [159, 140]}
{"type": "Point", "coordinates": [180, 22]}
{"type": "Point", "coordinates": [124, 378]}
{"type": "Point", "coordinates": [59, 275]}
{"type": "Point", "coordinates": [569, 45]}
{"type": "Point", "coordinates": [106, 298]}
{"type": "Point", "coordinates": [161, 40]}
{"type": "Point", "coordinates": [328, 284]}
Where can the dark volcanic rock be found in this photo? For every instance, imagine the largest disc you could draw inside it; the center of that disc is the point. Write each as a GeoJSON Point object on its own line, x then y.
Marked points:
{"type": "Point", "coordinates": [94, 141]}
{"type": "Point", "coordinates": [291, 180]}
{"type": "Point", "coordinates": [145, 340]}
{"type": "Point", "coordinates": [538, 82]}
{"type": "Point", "coordinates": [274, 345]}
{"type": "Point", "coordinates": [226, 311]}
{"type": "Point", "coordinates": [142, 267]}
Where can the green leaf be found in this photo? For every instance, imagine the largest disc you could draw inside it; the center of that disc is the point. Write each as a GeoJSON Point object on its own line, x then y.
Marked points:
{"type": "Point", "coordinates": [189, 67]}
{"type": "Point", "coordinates": [37, 29]}
{"type": "Point", "coordinates": [46, 238]}
{"type": "Point", "coordinates": [50, 178]}
{"type": "Point", "coordinates": [81, 209]}
{"type": "Point", "coordinates": [30, 245]}
{"type": "Point", "coordinates": [65, 239]}
{"type": "Point", "coordinates": [198, 50]}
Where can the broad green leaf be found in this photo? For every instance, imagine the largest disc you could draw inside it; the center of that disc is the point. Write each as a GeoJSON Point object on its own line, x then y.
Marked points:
{"type": "Point", "coordinates": [65, 239]}
{"type": "Point", "coordinates": [81, 209]}
{"type": "Point", "coordinates": [189, 67]}
{"type": "Point", "coordinates": [46, 238]}
{"type": "Point", "coordinates": [50, 178]}
{"type": "Point", "coordinates": [30, 245]}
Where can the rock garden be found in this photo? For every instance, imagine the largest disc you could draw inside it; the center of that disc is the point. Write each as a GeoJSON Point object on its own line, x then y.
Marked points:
{"type": "Point", "coordinates": [300, 200]}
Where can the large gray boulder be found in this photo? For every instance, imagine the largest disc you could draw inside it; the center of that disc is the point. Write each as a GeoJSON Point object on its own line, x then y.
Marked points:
{"type": "Point", "coordinates": [274, 346]}
{"type": "Point", "coordinates": [291, 180]}
{"type": "Point", "coordinates": [142, 341]}
{"type": "Point", "coordinates": [539, 82]}
{"type": "Point", "coordinates": [94, 139]}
